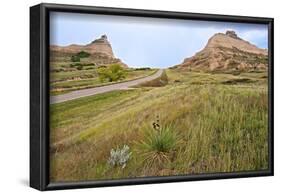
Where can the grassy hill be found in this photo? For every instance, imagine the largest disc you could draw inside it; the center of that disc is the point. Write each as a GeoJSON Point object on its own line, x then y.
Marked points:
{"type": "Point", "coordinates": [76, 67]}
{"type": "Point", "coordinates": [208, 122]}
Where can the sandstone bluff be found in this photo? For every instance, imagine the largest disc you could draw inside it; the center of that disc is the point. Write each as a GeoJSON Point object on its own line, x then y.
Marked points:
{"type": "Point", "coordinates": [227, 51]}
{"type": "Point", "coordinates": [100, 51]}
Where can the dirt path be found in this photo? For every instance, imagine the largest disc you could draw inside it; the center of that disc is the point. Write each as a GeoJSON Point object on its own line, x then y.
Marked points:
{"type": "Point", "coordinates": [102, 89]}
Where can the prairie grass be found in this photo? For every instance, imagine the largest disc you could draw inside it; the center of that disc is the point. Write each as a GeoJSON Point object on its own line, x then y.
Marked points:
{"type": "Point", "coordinates": [214, 127]}
{"type": "Point", "coordinates": [70, 79]}
{"type": "Point", "coordinates": [158, 146]}
{"type": "Point", "coordinates": [158, 82]}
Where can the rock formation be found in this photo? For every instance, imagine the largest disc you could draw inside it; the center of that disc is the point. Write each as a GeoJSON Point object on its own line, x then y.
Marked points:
{"type": "Point", "coordinates": [227, 52]}
{"type": "Point", "coordinates": [100, 45]}
{"type": "Point", "coordinates": [100, 51]}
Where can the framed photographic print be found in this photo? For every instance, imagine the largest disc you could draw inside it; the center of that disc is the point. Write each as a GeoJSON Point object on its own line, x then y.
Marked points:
{"type": "Point", "coordinates": [126, 96]}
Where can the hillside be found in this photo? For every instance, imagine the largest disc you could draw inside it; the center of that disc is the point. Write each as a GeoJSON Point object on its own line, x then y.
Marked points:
{"type": "Point", "coordinates": [217, 122]}
{"type": "Point", "coordinates": [100, 52]}
{"type": "Point", "coordinates": [227, 52]}
{"type": "Point", "coordinates": [76, 67]}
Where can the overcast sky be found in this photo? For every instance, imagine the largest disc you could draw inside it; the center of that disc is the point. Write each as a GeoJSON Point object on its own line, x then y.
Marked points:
{"type": "Point", "coordinates": [151, 42]}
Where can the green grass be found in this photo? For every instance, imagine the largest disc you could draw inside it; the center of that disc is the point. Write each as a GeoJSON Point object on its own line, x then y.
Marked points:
{"type": "Point", "coordinates": [72, 79]}
{"type": "Point", "coordinates": [219, 128]}
{"type": "Point", "coordinates": [70, 75]}
{"type": "Point", "coordinates": [158, 146]}
{"type": "Point", "coordinates": [158, 82]}
{"type": "Point", "coordinates": [91, 110]}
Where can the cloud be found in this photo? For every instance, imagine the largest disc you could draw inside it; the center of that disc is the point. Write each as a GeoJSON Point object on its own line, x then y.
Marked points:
{"type": "Point", "coordinates": [258, 37]}
{"type": "Point", "coordinates": [150, 42]}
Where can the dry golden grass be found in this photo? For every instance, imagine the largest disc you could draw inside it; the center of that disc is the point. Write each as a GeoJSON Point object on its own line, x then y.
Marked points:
{"type": "Point", "coordinates": [221, 128]}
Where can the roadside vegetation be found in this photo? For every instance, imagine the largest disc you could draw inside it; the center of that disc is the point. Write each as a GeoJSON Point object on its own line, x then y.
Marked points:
{"type": "Point", "coordinates": [111, 73]}
{"type": "Point", "coordinates": [158, 82]}
{"type": "Point", "coordinates": [195, 123]}
{"type": "Point", "coordinates": [70, 76]}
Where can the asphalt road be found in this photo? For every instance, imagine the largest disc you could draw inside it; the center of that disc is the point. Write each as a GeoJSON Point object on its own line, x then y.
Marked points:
{"type": "Point", "coordinates": [102, 89]}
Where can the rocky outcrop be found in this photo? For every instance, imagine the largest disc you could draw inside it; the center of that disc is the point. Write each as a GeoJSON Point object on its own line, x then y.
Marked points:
{"type": "Point", "coordinates": [100, 51]}
{"type": "Point", "coordinates": [232, 34]}
{"type": "Point", "coordinates": [100, 45]}
{"type": "Point", "coordinates": [227, 52]}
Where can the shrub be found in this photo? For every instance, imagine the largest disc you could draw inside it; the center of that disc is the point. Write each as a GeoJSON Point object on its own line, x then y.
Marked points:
{"type": "Point", "coordinates": [142, 68]}
{"type": "Point", "coordinates": [238, 81]}
{"type": "Point", "coordinates": [89, 64]}
{"type": "Point", "coordinates": [112, 73]}
{"type": "Point", "coordinates": [83, 54]}
{"type": "Point", "coordinates": [119, 157]}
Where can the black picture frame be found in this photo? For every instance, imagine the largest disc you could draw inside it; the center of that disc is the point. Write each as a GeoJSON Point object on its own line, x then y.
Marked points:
{"type": "Point", "coordinates": [39, 94]}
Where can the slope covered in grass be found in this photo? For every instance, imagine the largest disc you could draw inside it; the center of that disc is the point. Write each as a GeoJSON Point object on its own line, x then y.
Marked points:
{"type": "Point", "coordinates": [217, 128]}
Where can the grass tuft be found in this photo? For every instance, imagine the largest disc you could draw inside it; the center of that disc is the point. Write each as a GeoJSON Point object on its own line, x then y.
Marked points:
{"type": "Point", "coordinates": [158, 145]}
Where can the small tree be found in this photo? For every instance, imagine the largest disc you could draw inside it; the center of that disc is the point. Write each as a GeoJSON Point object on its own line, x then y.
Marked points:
{"type": "Point", "coordinates": [112, 73]}
{"type": "Point", "coordinates": [103, 73]}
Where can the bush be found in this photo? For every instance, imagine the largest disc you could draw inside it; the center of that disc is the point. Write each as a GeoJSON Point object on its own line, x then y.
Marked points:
{"type": "Point", "coordinates": [119, 157]}
{"type": "Point", "coordinates": [112, 73]}
{"type": "Point", "coordinates": [142, 68]}
{"type": "Point", "coordinates": [90, 65]}
{"type": "Point", "coordinates": [83, 54]}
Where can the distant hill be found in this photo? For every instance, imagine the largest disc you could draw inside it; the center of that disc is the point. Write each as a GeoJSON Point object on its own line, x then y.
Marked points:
{"type": "Point", "coordinates": [227, 52]}
{"type": "Point", "coordinates": [100, 52]}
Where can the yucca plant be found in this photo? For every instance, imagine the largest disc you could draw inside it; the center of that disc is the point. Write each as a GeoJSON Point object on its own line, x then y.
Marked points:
{"type": "Point", "coordinates": [158, 144]}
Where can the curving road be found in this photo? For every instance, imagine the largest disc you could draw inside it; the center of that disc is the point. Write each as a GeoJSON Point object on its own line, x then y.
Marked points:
{"type": "Point", "coordinates": [102, 89]}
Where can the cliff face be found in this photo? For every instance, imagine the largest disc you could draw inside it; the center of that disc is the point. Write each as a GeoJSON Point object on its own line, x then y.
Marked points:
{"type": "Point", "coordinates": [227, 51]}
{"type": "Point", "coordinates": [100, 51]}
{"type": "Point", "coordinates": [100, 45]}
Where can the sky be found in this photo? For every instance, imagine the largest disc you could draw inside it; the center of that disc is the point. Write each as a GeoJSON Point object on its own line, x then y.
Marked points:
{"type": "Point", "coordinates": [147, 42]}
